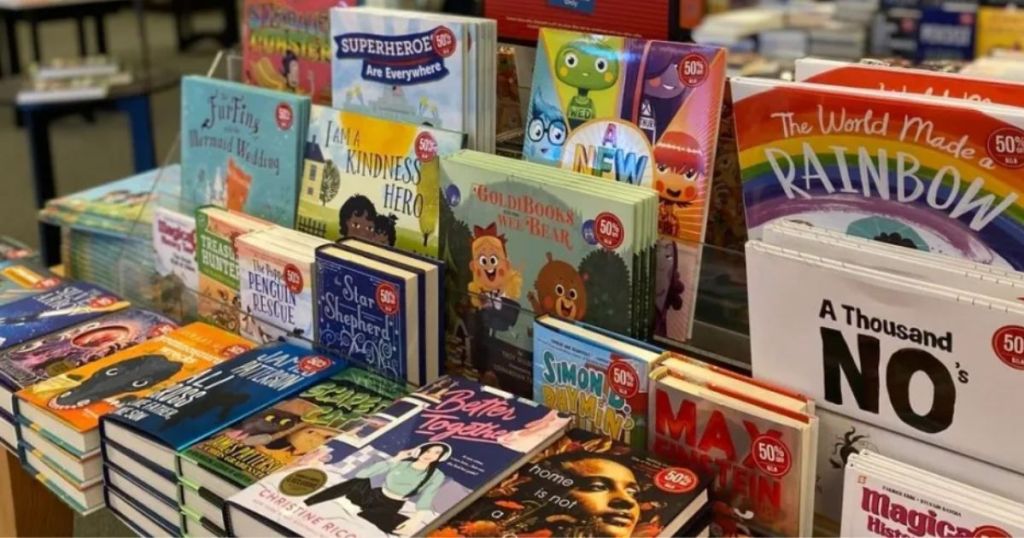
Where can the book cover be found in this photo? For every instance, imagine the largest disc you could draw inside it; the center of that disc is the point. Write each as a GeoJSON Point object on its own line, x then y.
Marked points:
{"type": "Point", "coordinates": [517, 246]}
{"type": "Point", "coordinates": [401, 65]}
{"type": "Point", "coordinates": [999, 27]}
{"type": "Point", "coordinates": [21, 279]}
{"type": "Point", "coordinates": [183, 413]}
{"type": "Point", "coordinates": [889, 350]}
{"type": "Point", "coordinates": [373, 179]}
{"type": "Point", "coordinates": [275, 288]}
{"type": "Point", "coordinates": [217, 257]}
{"type": "Point", "coordinates": [758, 464]}
{"type": "Point", "coordinates": [174, 242]}
{"type": "Point", "coordinates": [286, 45]}
{"type": "Point", "coordinates": [940, 175]}
{"type": "Point", "coordinates": [520, 20]}
{"type": "Point", "coordinates": [61, 351]}
{"type": "Point", "coordinates": [637, 111]}
{"type": "Point", "coordinates": [276, 437]}
{"type": "Point", "coordinates": [53, 310]}
{"type": "Point", "coordinates": [605, 390]}
{"type": "Point", "coordinates": [440, 445]}
{"type": "Point", "coordinates": [946, 31]}
{"type": "Point", "coordinates": [362, 315]}
{"type": "Point", "coordinates": [241, 148]}
{"type": "Point", "coordinates": [12, 249]}
{"type": "Point", "coordinates": [583, 485]}
{"type": "Point", "coordinates": [81, 396]}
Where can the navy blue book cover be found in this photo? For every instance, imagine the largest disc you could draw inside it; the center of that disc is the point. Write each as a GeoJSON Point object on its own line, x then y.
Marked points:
{"type": "Point", "coordinates": [54, 310]}
{"type": "Point", "coordinates": [946, 33]}
{"type": "Point", "coordinates": [205, 403]}
{"type": "Point", "coordinates": [361, 315]}
{"type": "Point", "coordinates": [403, 470]}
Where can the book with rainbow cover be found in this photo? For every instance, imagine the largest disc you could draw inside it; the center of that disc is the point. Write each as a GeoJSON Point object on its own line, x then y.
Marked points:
{"type": "Point", "coordinates": [939, 175]}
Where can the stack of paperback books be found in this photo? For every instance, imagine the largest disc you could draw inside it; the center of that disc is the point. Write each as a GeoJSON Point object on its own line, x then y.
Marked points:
{"type": "Point", "coordinates": [419, 68]}
{"type": "Point", "coordinates": [524, 240]}
{"type": "Point", "coordinates": [886, 497]}
{"type": "Point", "coordinates": [374, 179]}
{"type": "Point", "coordinates": [241, 148]}
{"type": "Point", "coordinates": [381, 308]}
{"type": "Point", "coordinates": [289, 432]}
{"type": "Point", "coordinates": [141, 440]}
{"type": "Point", "coordinates": [404, 470]}
{"type": "Point", "coordinates": [61, 414]}
{"type": "Point", "coordinates": [24, 278]}
{"type": "Point", "coordinates": [585, 484]}
{"type": "Point", "coordinates": [72, 79]}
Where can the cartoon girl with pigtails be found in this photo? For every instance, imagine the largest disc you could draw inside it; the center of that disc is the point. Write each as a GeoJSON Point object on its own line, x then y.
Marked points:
{"type": "Point", "coordinates": [677, 177]}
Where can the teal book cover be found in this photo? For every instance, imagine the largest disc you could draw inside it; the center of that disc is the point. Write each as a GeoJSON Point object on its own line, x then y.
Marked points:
{"type": "Point", "coordinates": [241, 148]}
{"type": "Point", "coordinates": [518, 246]}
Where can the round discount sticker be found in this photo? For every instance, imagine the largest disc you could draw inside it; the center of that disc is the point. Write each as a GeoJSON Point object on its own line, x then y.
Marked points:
{"type": "Point", "coordinates": [102, 301]}
{"type": "Point", "coordinates": [443, 41]}
{"type": "Point", "coordinates": [771, 456]}
{"type": "Point", "coordinates": [313, 364]}
{"type": "Point", "coordinates": [284, 116]}
{"type": "Point", "coordinates": [693, 70]}
{"type": "Point", "coordinates": [387, 298]}
{"type": "Point", "coordinates": [47, 283]}
{"type": "Point", "coordinates": [1006, 147]}
{"type": "Point", "coordinates": [990, 531]}
{"type": "Point", "coordinates": [233, 350]}
{"type": "Point", "coordinates": [624, 379]}
{"type": "Point", "coordinates": [608, 231]}
{"type": "Point", "coordinates": [676, 480]}
{"type": "Point", "coordinates": [426, 146]}
{"type": "Point", "coordinates": [293, 278]}
{"type": "Point", "coordinates": [1008, 345]}
{"type": "Point", "coordinates": [160, 329]}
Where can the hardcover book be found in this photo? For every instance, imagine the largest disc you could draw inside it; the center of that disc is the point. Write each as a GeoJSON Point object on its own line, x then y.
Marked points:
{"type": "Point", "coordinates": [69, 406]}
{"type": "Point", "coordinates": [887, 349]}
{"type": "Point", "coordinates": [53, 310]}
{"type": "Point", "coordinates": [933, 174]}
{"type": "Point", "coordinates": [403, 470]}
{"type": "Point", "coordinates": [174, 241]}
{"type": "Point", "coordinates": [598, 377]}
{"type": "Point", "coordinates": [520, 20]}
{"type": "Point", "coordinates": [21, 279]}
{"type": "Point", "coordinates": [241, 148]}
{"type": "Point", "coordinates": [286, 45]}
{"type": "Point", "coordinates": [373, 179]}
{"type": "Point", "coordinates": [999, 26]}
{"type": "Point", "coordinates": [586, 485]}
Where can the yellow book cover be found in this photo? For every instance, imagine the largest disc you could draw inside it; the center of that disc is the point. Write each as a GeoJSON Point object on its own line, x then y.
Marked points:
{"type": "Point", "coordinates": [81, 396]}
{"type": "Point", "coordinates": [999, 28]}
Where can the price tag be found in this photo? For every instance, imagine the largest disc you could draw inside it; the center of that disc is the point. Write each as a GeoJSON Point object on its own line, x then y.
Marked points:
{"type": "Point", "coordinates": [676, 480]}
{"type": "Point", "coordinates": [293, 278]}
{"type": "Point", "coordinates": [387, 298]}
{"type": "Point", "coordinates": [693, 70]}
{"type": "Point", "coordinates": [624, 379]}
{"type": "Point", "coordinates": [1008, 345]}
{"type": "Point", "coordinates": [609, 231]}
{"type": "Point", "coordinates": [443, 41]}
{"type": "Point", "coordinates": [771, 456]}
{"type": "Point", "coordinates": [284, 116]}
{"type": "Point", "coordinates": [1006, 147]}
{"type": "Point", "coordinates": [426, 146]}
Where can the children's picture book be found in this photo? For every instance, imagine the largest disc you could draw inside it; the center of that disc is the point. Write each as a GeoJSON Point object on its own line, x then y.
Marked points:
{"type": "Point", "coordinates": [217, 257]}
{"type": "Point", "coordinates": [24, 278]}
{"type": "Point", "coordinates": [373, 179]}
{"type": "Point", "coordinates": [286, 432]}
{"type": "Point", "coordinates": [888, 349]}
{"type": "Point", "coordinates": [286, 45]}
{"type": "Point", "coordinates": [404, 470]}
{"type": "Point", "coordinates": [594, 375]}
{"type": "Point", "coordinates": [53, 310]}
{"type": "Point", "coordinates": [70, 405]}
{"type": "Point", "coordinates": [941, 175]}
{"type": "Point", "coordinates": [586, 485]}
{"type": "Point", "coordinates": [241, 148]}
{"type": "Point", "coordinates": [1000, 26]}
{"type": "Point", "coordinates": [174, 242]}
{"type": "Point", "coordinates": [523, 240]}
{"type": "Point", "coordinates": [947, 31]}
{"type": "Point", "coordinates": [519, 21]}
{"type": "Point", "coordinates": [61, 351]}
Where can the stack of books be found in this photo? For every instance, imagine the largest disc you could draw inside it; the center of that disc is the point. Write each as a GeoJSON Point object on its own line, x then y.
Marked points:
{"type": "Point", "coordinates": [420, 68]}
{"type": "Point", "coordinates": [142, 438]}
{"type": "Point", "coordinates": [61, 414]}
{"type": "Point", "coordinates": [289, 432]}
{"type": "Point", "coordinates": [174, 263]}
{"type": "Point", "coordinates": [24, 278]}
{"type": "Point", "coordinates": [381, 309]}
{"type": "Point", "coordinates": [72, 79]}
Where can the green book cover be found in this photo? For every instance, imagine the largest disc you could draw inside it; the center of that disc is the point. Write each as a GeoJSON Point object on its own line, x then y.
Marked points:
{"type": "Point", "coordinates": [216, 255]}
{"type": "Point", "coordinates": [279, 435]}
{"type": "Point", "coordinates": [373, 179]}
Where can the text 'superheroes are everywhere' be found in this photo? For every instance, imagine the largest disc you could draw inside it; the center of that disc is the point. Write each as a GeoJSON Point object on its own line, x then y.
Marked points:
{"type": "Point", "coordinates": [936, 175]}
{"type": "Point", "coordinates": [403, 470]}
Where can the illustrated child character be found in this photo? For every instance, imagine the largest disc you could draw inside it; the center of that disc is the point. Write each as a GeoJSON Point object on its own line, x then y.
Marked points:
{"type": "Point", "coordinates": [495, 282]}
{"type": "Point", "coordinates": [290, 70]}
{"type": "Point", "coordinates": [357, 218]}
{"type": "Point", "coordinates": [668, 285]}
{"type": "Point", "coordinates": [678, 172]}
{"type": "Point", "coordinates": [560, 291]}
{"type": "Point", "coordinates": [546, 131]}
{"type": "Point", "coordinates": [410, 475]}
{"type": "Point", "coordinates": [384, 232]}
{"type": "Point", "coordinates": [587, 65]}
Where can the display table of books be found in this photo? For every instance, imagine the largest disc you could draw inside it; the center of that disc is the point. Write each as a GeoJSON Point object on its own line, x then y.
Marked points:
{"type": "Point", "coordinates": [340, 314]}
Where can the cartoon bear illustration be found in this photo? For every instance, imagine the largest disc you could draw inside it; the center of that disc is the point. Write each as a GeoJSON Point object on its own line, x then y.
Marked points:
{"type": "Point", "coordinates": [560, 291]}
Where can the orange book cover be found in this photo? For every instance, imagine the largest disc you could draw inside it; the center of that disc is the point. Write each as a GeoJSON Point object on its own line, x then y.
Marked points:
{"type": "Point", "coordinates": [81, 396]}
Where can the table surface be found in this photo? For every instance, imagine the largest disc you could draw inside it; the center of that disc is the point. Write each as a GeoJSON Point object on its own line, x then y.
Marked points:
{"type": "Point", "coordinates": [158, 80]}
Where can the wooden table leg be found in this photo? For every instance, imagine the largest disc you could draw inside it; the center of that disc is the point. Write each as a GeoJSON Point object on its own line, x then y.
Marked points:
{"type": "Point", "coordinates": [33, 510]}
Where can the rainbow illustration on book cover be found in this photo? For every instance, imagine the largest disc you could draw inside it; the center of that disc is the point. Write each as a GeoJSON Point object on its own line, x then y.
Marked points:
{"type": "Point", "coordinates": [638, 111]}
{"type": "Point", "coordinates": [939, 176]}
